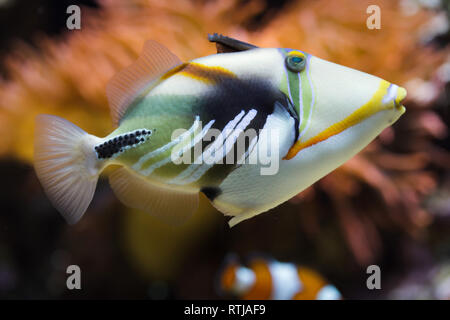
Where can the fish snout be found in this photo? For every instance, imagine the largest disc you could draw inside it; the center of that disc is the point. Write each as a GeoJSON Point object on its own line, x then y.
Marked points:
{"type": "Point", "coordinates": [401, 95]}
{"type": "Point", "coordinates": [394, 96]}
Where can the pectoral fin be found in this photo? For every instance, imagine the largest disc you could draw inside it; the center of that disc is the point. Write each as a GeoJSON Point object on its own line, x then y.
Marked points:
{"type": "Point", "coordinates": [173, 207]}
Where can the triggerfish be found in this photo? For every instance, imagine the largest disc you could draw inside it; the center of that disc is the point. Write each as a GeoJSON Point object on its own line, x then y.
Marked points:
{"type": "Point", "coordinates": [249, 127]}
{"type": "Point", "coordinates": [269, 279]}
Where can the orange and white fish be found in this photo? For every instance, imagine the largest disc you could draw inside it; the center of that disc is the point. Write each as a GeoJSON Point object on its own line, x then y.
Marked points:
{"type": "Point", "coordinates": [249, 127]}
{"type": "Point", "coordinates": [265, 279]}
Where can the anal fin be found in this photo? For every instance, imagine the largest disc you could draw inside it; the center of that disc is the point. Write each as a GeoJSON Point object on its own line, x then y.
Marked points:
{"type": "Point", "coordinates": [238, 214]}
{"type": "Point", "coordinates": [173, 207]}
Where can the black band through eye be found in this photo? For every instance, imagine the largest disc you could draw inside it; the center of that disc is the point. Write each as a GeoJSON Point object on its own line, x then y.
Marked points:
{"type": "Point", "coordinates": [295, 63]}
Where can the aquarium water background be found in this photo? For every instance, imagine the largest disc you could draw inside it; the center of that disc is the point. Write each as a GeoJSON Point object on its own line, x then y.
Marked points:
{"type": "Point", "coordinates": [388, 206]}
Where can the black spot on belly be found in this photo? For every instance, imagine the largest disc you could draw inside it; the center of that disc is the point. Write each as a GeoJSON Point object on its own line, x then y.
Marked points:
{"type": "Point", "coordinates": [120, 143]}
{"type": "Point", "coordinates": [211, 192]}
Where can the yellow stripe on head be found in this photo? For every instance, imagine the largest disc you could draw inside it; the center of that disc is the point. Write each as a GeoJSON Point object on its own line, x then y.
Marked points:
{"type": "Point", "coordinates": [373, 106]}
{"type": "Point", "coordinates": [208, 74]}
{"type": "Point", "coordinates": [173, 71]}
{"type": "Point", "coordinates": [200, 72]}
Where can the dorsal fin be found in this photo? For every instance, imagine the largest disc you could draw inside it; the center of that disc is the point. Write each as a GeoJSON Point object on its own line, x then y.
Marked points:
{"type": "Point", "coordinates": [143, 74]}
{"type": "Point", "coordinates": [226, 44]}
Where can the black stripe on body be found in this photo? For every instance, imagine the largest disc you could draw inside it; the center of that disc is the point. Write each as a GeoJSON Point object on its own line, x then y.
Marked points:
{"type": "Point", "coordinates": [225, 101]}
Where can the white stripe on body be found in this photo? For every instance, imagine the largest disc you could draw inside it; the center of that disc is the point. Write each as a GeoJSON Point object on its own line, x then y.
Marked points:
{"type": "Point", "coordinates": [249, 150]}
{"type": "Point", "coordinates": [138, 165]}
{"type": "Point", "coordinates": [189, 170]}
{"type": "Point", "coordinates": [329, 292]}
{"type": "Point", "coordinates": [165, 161]}
{"type": "Point", "coordinates": [245, 279]}
{"type": "Point", "coordinates": [230, 133]}
{"type": "Point", "coordinates": [285, 280]}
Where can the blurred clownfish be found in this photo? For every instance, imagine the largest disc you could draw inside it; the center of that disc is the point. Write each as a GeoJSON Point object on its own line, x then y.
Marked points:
{"type": "Point", "coordinates": [285, 119]}
{"type": "Point", "coordinates": [270, 279]}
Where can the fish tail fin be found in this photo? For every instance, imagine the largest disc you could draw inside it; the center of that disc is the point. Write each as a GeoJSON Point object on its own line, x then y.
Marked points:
{"type": "Point", "coordinates": [66, 165]}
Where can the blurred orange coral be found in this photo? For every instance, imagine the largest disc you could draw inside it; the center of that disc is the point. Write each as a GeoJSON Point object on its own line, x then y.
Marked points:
{"type": "Point", "coordinates": [382, 187]}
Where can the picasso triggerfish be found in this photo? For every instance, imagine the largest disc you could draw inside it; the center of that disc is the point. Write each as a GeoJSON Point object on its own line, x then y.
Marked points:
{"type": "Point", "coordinates": [249, 127]}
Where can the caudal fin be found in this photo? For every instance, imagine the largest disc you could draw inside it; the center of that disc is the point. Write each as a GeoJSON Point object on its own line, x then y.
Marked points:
{"type": "Point", "coordinates": [66, 165]}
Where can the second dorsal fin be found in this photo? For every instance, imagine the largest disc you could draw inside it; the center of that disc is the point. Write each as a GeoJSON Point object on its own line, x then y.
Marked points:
{"type": "Point", "coordinates": [154, 61]}
{"type": "Point", "coordinates": [172, 206]}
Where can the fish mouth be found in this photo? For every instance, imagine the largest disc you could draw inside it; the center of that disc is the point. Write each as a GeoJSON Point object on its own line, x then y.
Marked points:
{"type": "Point", "coordinates": [401, 95]}
{"type": "Point", "coordinates": [388, 96]}
{"type": "Point", "coordinates": [393, 97]}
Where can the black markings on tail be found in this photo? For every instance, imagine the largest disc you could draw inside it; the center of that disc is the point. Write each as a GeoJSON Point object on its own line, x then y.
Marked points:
{"type": "Point", "coordinates": [122, 142]}
{"type": "Point", "coordinates": [211, 192]}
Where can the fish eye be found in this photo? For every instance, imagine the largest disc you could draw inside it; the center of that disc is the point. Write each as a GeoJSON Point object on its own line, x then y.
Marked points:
{"type": "Point", "coordinates": [295, 62]}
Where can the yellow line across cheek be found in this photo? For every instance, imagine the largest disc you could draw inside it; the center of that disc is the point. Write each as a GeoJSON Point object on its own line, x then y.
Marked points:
{"type": "Point", "coordinates": [371, 107]}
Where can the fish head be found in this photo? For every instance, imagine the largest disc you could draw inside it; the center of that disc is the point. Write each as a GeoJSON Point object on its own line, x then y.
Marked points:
{"type": "Point", "coordinates": [332, 100]}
